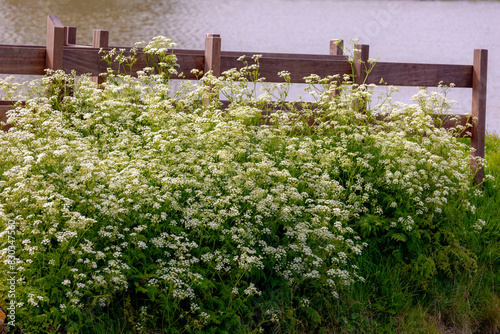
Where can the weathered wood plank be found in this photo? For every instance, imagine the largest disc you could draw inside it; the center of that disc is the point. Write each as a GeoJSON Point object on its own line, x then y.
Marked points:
{"type": "Point", "coordinates": [361, 65]}
{"type": "Point", "coordinates": [212, 54]}
{"type": "Point", "coordinates": [337, 47]}
{"type": "Point", "coordinates": [22, 59]}
{"type": "Point", "coordinates": [69, 35]}
{"type": "Point", "coordinates": [88, 60]}
{"type": "Point", "coordinates": [100, 39]}
{"type": "Point", "coordinates": [55, 43]}
{"type": "Point", "coordinates": [81, 60]}
{"type": "Point", "coordinates": [298, 68]}
{"type": "Point", "coordinates": [212, 59]}
{"type": "Point", "coordinates": [249, 54]}
{"type": "Point", "coordinates": [425, 75]}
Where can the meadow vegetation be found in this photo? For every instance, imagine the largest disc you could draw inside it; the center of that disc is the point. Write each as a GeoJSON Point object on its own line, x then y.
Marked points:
{"type": "Point", "coordinates": [131, 207]}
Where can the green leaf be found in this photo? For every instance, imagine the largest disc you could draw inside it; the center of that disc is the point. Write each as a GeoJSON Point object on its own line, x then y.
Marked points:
{"type": "Point", "coordinates": [399, 237]}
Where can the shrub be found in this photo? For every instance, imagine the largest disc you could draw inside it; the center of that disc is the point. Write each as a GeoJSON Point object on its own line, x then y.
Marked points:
{"type": "Point", "coordinates": [179, 215]}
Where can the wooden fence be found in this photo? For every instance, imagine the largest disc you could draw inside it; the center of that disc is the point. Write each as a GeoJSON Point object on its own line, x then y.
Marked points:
{"type": "Point", "coordinates": [62, 52]}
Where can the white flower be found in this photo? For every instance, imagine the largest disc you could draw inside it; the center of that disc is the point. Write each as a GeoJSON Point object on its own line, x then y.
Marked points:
{"type": "Point", "coordinates": [252, 290]}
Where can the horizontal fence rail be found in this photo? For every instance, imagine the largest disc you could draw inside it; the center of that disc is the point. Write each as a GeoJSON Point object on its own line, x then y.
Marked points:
{"type": "Point", "coordinates": [425, 75]}
{"type": "Point", "coordinates": [15, 59]}
{"type": "Point", "coordinates": [88, 60]}
{"type": "Point", "coordinates": [62, 52]}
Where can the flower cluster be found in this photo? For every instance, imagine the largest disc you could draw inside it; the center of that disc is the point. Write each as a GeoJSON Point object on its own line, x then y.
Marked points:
{"type": "Point", "coordinates": [131, 186]}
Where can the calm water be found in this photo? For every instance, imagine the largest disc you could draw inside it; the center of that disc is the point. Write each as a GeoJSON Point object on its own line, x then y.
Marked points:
{"type": "Point", "coordinates": [406, 31]}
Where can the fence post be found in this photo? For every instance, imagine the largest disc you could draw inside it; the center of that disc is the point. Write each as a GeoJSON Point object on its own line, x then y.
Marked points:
{"type": "Point", "coordinates": [55, 43]}
{"type": "Point", "coordinates": [479, 86]}
{"type": "Point", "coordinates": [361, 55]}
{"type": "Point", "coordinates": [69, 35]}
{"type": "Point", "coordinates": [336, 49]}
{"type": "Point", "coordinates": [212, 56]}
{"type": "Point", "coordinates": [212, 53]}
{"type": "Point", "coordinates": [100, 39]}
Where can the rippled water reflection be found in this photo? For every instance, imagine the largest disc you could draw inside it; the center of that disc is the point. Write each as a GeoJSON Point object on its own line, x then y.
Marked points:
{"type": "Point", "coordinates": [409, 31]}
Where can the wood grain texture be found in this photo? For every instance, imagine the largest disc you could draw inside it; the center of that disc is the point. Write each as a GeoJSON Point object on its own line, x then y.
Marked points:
{"type": "Point", "coordinates": [212, 57]}
{"type": "Point", "coordinates": [87, 60]}
{"type": "Point", "coordinates": [337, 47]}
{"type": "Point", "coordinates": [479, 88]}
{"type": "Point", "coordinates": [361, 55]}
{"type": "Point", "coordinates": [426, 75]}
{"type": "Point", "coordinates": [298, 68]}
{"type": "Point", "coordinates": [69, 35]}
{"type": "Point", "coordinates": [22, 59]}
{"type": "Point", "coordinates": [249, 54]}
{"type": "Point", "coordinates": [55, 43]}
{"type": "Point", "coordinates": [100, 39]}
{"type": "Point", "coordinates": [176, 51]}
{"type": "Point", "coordinates": [213, 54]}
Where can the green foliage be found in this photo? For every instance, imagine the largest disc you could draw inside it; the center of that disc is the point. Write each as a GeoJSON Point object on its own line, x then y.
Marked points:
{"type": "Point", "coordinates": [136, 208]}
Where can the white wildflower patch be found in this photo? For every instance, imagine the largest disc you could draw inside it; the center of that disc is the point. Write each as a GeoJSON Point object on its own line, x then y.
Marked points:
{"type": "Point", "coordinates": [131, 186]}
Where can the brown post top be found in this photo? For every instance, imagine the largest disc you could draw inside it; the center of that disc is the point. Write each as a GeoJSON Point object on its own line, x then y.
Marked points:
{"type": "Point", "coordinates": [55, 43]}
